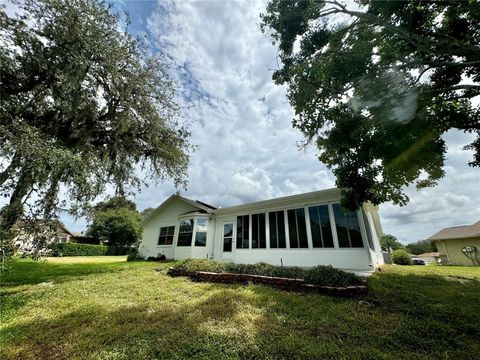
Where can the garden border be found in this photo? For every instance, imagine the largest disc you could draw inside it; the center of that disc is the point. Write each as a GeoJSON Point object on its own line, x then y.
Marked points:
{"type": "Point", "coordinates": [277, 282]}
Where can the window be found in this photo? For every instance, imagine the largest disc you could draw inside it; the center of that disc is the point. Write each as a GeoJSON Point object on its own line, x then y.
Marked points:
{"type": "Point", "coordinates": [297, 228]}
{"type": "Point", "coordinates": [166, 235]}
{"type": "Point", "coordinates": [368, 230]}
{"type": "Point", "coordinates": [185, 233]}
{"type": "Point", "coordinates": [348, 228]}
{"type": "Point", "coordinates": [259, 236]}
{"type": "Point", "coordinates": [320, 226]}
{"type": "Point", "coordinates": [201, 232]}
{"type": "Point", "coordinates": [277, 230]}
{"type": "Point", "coordinates": [242, 232]}
{"type": "Point", "coordinates": [227, 237]}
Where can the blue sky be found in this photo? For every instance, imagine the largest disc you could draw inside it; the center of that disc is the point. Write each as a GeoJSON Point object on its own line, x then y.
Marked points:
{"type": "Point", "coordinates": [241, 121]}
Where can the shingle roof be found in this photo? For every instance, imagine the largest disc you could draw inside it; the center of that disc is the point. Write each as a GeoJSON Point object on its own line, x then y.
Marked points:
{"type": "Point", "coordinates": [458, 232]}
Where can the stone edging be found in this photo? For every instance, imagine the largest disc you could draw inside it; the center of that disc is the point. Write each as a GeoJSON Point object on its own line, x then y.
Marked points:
{"type": "Point", "coordinates": [277, 282]}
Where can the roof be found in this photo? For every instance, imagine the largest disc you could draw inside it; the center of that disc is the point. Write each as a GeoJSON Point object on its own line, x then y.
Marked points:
{"type": "Point", "coordinates": [458, 232]}
{"type": "Point", "coordinates": [333, 193]}
{"type": "Point", "coordinates": [429, 254]}
{"type": "Point", "coordinates": [200, 205]}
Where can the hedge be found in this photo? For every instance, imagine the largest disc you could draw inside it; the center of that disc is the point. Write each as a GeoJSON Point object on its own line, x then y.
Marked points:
{"type": "Point", "coordinates": [318, 275]}
{"type": "Point", "coordinates": [74, 249]}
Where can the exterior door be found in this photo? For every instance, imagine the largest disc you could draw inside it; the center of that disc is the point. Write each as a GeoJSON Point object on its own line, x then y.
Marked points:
{"type": "Point", "coordinates": [228, 236]}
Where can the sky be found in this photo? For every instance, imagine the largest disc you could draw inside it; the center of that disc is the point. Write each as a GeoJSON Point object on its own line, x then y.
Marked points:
{"type": "Point", "coordinates": [241, 121]}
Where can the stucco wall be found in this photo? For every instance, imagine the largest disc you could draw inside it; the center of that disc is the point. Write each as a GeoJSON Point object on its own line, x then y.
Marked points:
{"type": "Point", "coordinates": [452, 249]}
{"type": "Point", "coordinates": [168, 216]}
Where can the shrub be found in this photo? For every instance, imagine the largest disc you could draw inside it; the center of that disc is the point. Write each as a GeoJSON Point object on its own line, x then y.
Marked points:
{"type": "Point", "coordinates": [401, 257]}
{"type": "Point", "coordinates": [318, 275]}
{"type": "Point", "coordinates": [160, 257]}
{"type": "Point", "coordinates": [74, 249]}
{"type": "Point", "coordinates": [132, 255]}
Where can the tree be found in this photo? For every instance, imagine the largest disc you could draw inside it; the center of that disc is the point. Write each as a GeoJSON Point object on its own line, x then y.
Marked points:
{"type": "Point", "coordinates": [421, 247]}
{"type": "Point", "coordinates": [115, 202]}
{"type": "Point", "coordinates": [146, 212]}
{"type": "Point", "coordinates": [376, 83]}
{"type": "Point", "coordinates": [389, 242]}
{"type": "Point", "coordinates": [116, 226]}
{"type": "Point", "coordinates": [83, 104]}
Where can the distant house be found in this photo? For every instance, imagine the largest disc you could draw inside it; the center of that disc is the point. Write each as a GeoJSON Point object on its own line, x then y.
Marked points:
{"type": "Point", "coordinates": [26, 231]}
{"type": "Point", "coordinates": [429, 257]}
{"type": "Point", "coordinates": [459, 245]}
{"type": "Point", "coordinates": [302, 230]}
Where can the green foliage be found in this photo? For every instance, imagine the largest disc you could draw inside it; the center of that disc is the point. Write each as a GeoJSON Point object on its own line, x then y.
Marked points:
{"type": "Point", "coordinates": [389, 241]}
{"type": "Point", "coordinates": [83, 105]}
{"type": "Point", "coordinates": [133, 255]}
{"type": "Point", "coordinates": [377, 90]}
{"type": "Point", "coordinates": [318, 275]}
{"type": "Point", "coordinates": [421, 247]}
{"type": "Point", "coordinates": [146, 212]}
{"type": "Point", "coordinates": [115, 202]}
{"type": "Point", "coordinates": [116, 226]}
{"type": "Point", "coordinates": [401, 257]}
{"type": "Point", "coordinates": [74, 249]}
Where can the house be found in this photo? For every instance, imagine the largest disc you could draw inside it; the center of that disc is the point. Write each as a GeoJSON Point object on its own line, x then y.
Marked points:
{"type": "Point", "coordinates": [459, 245]}
{"type": "Point", "coordinates": [429, 257]}
{"type": "Point", "coordinates": [299, 230]}
{"type": "Point", "coordinates": [27, 231]}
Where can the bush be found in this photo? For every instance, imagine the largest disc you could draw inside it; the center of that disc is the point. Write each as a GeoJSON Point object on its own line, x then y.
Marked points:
{"type": "Point", "coordinates": [401, 257]}
{"type": "Point", "coordinates": [160, 257]}
{"type": "Point", "coordinates": [132, 255]}
{"type": "Point", "coordinates": [318, 275]}
{"type": "Point", "coordinates": [74, 249]}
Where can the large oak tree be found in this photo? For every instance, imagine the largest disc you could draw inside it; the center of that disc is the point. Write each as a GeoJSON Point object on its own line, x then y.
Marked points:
{"type": "Point", "coordinates": [83, 104]}
{"type": "Point", "coordinates": [377, 83]}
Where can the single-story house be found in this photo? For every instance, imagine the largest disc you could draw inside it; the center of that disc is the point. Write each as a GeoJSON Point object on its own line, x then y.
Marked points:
{"type": "Point", "coordinates": [459, 245]}
{"type": "Point", "coordinates": [299, 230]}
{"type": "Point", "coordinates": [429, 257]}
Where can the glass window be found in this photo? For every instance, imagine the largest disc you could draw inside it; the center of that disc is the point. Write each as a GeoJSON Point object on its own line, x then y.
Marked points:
{"type": "Point", "coordinates": [185, 233]}
{"type": "Point", "coordinates": [348, 228]}
{"type": "Point", "coordinates": [242, 232]}
{"type": "Point", "coordinates": [320, 226]}
{"type": "Point", "coordinates": [201, 232]}
{"type": "Point", "coordinates": [277, 230]}
{"type": "Point", "coordinates": [227, 237]}
{"type": "Point", "coordinates": [166, 235]}
{"type": "Point", "coordinates": [297, 228]}
{"type": "Point", "coordinates": [259, 235]}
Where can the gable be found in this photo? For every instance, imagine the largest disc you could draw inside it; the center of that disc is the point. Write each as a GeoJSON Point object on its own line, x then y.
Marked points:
{"type": "Point", "coordinates": [170, 210]}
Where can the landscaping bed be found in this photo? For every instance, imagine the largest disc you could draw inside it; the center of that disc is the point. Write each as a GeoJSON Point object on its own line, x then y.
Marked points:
{"type": "Point", "coordinates": [321, 279]}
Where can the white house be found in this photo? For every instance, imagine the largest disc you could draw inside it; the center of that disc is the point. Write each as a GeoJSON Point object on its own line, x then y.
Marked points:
{"type": "Point", "coordinates": [299, 230]}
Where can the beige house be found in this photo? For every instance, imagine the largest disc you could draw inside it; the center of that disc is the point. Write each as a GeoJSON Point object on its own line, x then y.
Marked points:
{"type": "Point", "coordinates": [459, 245]}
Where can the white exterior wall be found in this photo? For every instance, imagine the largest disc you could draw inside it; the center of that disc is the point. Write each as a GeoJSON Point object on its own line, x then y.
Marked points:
{"type": "Point", "coordinates": [345, 258]}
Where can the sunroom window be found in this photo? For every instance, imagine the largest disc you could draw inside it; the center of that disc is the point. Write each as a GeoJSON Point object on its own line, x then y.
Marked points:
{"type": "Point", "coordinates": [242, 232]}
{"type": "Point", "coordinates": [201, 232]}
{"type": "Point", "coordinates": [320, 226]}
{"type": "Point", "coordinates": [259, 237]}
{"type": "Point", "coordinates": [276, 221]}
{"type": "Point", "coordinates": [297, 228]}
{"type": "Point", "coordinates": [348, 228]}
{"type": "Point", "coordinates": [185, 233]}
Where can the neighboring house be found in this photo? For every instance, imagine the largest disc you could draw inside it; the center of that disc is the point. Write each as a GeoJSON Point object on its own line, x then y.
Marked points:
{"type": "Point", "coordinates": [84, 239]}
{"type": "Point", "coordinates": [24, 240]}
{"type": "Point", "coordinates": [302, 230]}
{"type": "Point", "coordinates": [429, 257]}
{"type": "Point", "coordinates": [459, 245]}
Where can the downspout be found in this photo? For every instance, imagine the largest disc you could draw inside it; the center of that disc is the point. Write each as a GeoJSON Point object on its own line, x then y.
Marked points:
{"type": "Point", "coordinates": [446, 252]}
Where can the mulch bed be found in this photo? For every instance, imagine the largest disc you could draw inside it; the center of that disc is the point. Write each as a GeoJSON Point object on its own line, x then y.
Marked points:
{"type": "Point", "coordinates": [277, 282]}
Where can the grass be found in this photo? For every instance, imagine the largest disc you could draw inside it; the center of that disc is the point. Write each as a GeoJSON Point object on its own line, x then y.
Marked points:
{"type": "Point", "coordinates": [107, 308]}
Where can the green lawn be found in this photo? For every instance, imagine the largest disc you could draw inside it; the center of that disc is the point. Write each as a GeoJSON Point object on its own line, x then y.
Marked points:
{"type": "Point", "coordinates": [107, 308]}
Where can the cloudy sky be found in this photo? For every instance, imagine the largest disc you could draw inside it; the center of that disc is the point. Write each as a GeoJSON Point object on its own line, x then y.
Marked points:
{"type": "Point", "coordinates": [241, 121]}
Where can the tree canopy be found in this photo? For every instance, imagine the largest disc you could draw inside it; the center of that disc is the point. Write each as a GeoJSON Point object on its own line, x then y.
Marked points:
{"type": "Point", "coordinates": [116, 221]}
{"type": "Point", "coordinates": [83, 105]}
{"type": "Point", "coordinates": [376, 84]}
{"type": "Point", "coordinates": [389, 242]}
{"type": "Point", "coordinates": [421, 247]}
